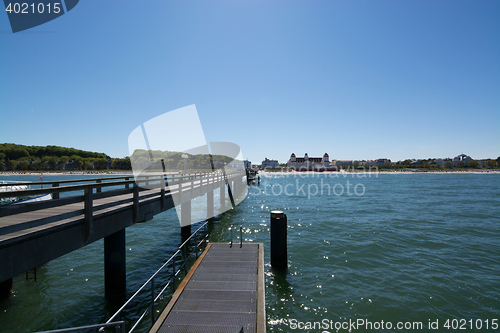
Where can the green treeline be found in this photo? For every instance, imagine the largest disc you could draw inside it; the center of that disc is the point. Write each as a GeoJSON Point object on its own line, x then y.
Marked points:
{"type": "Point", "coordinates": [14, 157]}
{"type": "Point", "coordinates": [175, 161]}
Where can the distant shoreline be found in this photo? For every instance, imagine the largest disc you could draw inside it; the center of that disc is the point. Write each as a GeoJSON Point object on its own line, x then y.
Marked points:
{"type": "Point", "coordinates": [385, 172]}
{"type": "Point", "coordinates": [56, 173]}
{"type": "Point", "coordinates": [261, 172]}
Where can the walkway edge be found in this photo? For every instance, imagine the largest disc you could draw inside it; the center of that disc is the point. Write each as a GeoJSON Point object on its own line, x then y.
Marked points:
{"type": "Point", "coordinates": [178, 292]}
{"type": "Point", "coordinates": [261, 289]}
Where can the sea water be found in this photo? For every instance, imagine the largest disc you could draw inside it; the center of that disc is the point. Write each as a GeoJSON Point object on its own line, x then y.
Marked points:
{"type": "Point", "coordinates": [364, 252]}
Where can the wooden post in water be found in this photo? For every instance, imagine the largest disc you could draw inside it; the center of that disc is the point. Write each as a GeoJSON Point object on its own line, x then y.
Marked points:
{"type": "Point", "coordinates": [278, 239]}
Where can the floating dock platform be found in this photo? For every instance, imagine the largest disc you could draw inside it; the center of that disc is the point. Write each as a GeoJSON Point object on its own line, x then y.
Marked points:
{"type": "Point", "coordinates": [222, 293]}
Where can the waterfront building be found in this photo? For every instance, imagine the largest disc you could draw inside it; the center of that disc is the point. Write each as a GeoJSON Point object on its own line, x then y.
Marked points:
{"type": "Point", "coordinates": [345, 162]}
{"type": "Point", "coordinates": [270, 164]}
{"type": "Point", "coordinates": [308, 162]}
{"type": "Point", "coordinates": [461, 158]}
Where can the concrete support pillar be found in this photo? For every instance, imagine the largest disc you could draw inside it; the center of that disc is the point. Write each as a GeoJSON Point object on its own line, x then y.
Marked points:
{"type": "Point", "coordinates": [115, 276]}
{"type": "Point", "coordinates": [186, 218]}
{"type": "Point", "coordinates": [278, 239]}
{"type": "Point", "coordinates": [223, 196]}
{"type": "Point", "coordinates": [6, 288]}
{"type": "Point", "coordinates": [210, 203]}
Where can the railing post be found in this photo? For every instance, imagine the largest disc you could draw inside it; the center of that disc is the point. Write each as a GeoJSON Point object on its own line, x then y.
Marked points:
{"type": "Point", "coordinates": [127, 185]}
{"type": "Point", "coordinates": [98, 188]}
{"type": "Point", "coordinates": [162, 193]}
{"type": "Point", "coordinates": [136, 202]}
{"type": "Point", "coordinates": [55, 195]}
{"type": "Point", "coordinates": [88, 213]}
{"type": "Point", "coordinates": [231, 244]}
{"type": "Point", "coordinates": [241, 236]}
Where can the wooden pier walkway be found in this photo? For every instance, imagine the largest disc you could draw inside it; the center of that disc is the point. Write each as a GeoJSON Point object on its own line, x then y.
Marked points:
{"type": "Point", "coordinates": [222, 293]}
{"type": "Point", "coordinates": [32, 234]}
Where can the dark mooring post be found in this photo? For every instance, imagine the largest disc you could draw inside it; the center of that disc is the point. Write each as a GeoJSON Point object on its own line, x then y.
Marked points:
{"type": "Point", "coordinates": [6, 288]}
{"type": "Point", "coordinates": [115, 276]}
{"type": "Point", "coordinates": [186, 219]}
{"type": "Point", "coordinates": [278, 239]}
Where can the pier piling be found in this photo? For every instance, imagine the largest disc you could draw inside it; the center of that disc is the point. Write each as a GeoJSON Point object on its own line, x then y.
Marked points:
{"type": "Point", "coordinates": [210, 204]}
{"type": "Point", "coordinates": [6, 288]}
{"type": "Point", "coordinates": [115, 276]}
{"type": "Point", "coordinates": [186, 219]}
{"type": "Point", "coordinates": [278, 239]}
{"type": "Point", "coordinates": [222, 196]}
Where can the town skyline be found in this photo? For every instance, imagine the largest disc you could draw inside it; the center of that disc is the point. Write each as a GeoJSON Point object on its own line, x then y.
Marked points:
{"type": "Point", "coordinates": [31, 158]}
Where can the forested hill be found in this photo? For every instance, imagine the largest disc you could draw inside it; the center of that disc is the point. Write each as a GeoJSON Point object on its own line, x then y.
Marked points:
{"type": "Point", "coordinates": [14, 152]}
{"type": "Point", "coordinates": [19, 157]}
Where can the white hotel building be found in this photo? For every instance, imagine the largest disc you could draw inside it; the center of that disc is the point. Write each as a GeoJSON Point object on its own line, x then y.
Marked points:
{"type": "Point", "coordinates": [308, 162]}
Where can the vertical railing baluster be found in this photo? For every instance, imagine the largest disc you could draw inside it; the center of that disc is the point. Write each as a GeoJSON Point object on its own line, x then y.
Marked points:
{"type": "Point", "coordinates": [173, 267]}
{"type": "Point", "coordinates": [196, 243]}
{"type": "Point", "coordinates": [152, 301]}
{"type": "Point", "coordinates": [55, 195]}
{"type": "Point", "coordinates": [185, 259]}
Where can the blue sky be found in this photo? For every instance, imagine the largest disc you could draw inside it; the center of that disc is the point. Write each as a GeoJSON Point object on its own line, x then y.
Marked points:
{"type": "Point", "coordinates": [357, 79]}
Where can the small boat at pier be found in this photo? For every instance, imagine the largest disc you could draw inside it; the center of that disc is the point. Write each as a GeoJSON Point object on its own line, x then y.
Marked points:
{"type": "Point", "coordinates": [13, 186]}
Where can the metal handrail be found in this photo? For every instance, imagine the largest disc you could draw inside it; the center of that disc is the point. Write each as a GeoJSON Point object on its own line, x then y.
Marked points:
{"type": "Point", "coordinates": [176, 179]}
{"type": "Point", "coordinates": [241, 237]}
{"type": "Point", "coordinates": [118, 324]}
{"type": "Point", "coordinates": [89, 189]}
{"type": "Point", "coordinates": [154, 298]}
{"type": "Point", "coordinates": [175, 269]}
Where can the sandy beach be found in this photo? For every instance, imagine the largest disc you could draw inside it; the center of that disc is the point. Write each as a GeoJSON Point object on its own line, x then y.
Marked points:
{"type": "Point", "coordinates": [385, 172]}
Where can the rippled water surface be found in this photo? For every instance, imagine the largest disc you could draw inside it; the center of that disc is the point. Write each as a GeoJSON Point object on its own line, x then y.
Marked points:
{"type": "Point", "coordinates": [397, 248]}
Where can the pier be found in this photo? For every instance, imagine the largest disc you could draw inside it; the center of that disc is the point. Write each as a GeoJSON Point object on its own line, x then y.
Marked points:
{"type": "Point", "coordinates": [32, 234]}
{"type": "Point", "coordinates": [223, 292]}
